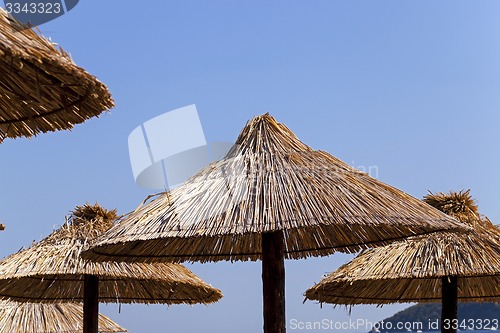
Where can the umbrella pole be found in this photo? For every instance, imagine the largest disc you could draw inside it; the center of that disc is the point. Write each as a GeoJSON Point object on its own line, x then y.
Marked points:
{"type": "Point", "coordinates": [90, 303]}
{"type": "Point", "coordinates": [449, 316]}
{"type": "Point", "coordinates": [273, 281]}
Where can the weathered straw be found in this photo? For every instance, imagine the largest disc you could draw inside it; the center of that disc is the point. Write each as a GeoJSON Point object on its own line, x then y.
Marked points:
{"type": "Point", "coordinates": [53, 271]}
{"type": "Point", "coordinates": [269, 181]}
{"type": "Point", "coordinates": [41, 89]}
{"type": "Point", "coordinates": [412, 270]}
{"type": "Point", "coordinates": [23, 317]}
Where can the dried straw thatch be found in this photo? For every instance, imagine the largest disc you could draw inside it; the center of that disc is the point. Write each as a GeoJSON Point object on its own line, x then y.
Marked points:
{"type": "Point", "coordinates": [412, 270]}
{"type": "Point", "coordinates": [463, 207]}
{"type": "Point", "coordinates": [41, 89]}
{"type": "Point", "coordinates": [23, 317]}
{"type": "Point", "coordinates": [53, 271]}
{"type": "Point", "coordinates": [269, 181]}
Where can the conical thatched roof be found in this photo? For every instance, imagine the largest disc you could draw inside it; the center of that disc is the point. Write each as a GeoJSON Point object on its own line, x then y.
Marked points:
{"type": "Point", "coordinates": [41, 89]}
{"type": "Point", "coordinates": [23, 317]}
{"type": "Point", "coordinates": [269, 181]}
{"type": "Point", "coordinates": [411, 270]}
{"type": "Point", "coordinates": [53, 271]}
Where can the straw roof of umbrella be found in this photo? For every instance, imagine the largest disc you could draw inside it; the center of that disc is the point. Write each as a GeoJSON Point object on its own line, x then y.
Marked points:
{"type": "Point", "coordinates": [269, 181]}
{"type": "Point", "coordinates": [42, 89]}
{"type": "Point", "coordinates": [53, 271]}
{"type": "Point", "coordinates": [412, 270]}
{"type": "Point", "coordinates": [23, 317]}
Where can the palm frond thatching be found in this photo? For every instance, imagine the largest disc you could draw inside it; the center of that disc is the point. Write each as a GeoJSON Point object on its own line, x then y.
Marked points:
{"type": "Point", "coordinates": [269, 181]}
{"type": "Point", "coordinates": [41, 89]}
{"type": "Point", "coordinates": [53, 271]}
{"type": "Point", "coordinates": [411, 270]}
{"type": "Point", "coordinates": [23, 317]}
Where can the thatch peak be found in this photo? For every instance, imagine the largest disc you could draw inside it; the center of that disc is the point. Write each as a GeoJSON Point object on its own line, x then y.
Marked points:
{"type": "Point", "coordinates": [459, 205]}
{"type": "Point", "coordinates": [264, 134]}
{"type": "Point", "coordinates": [85, 223]}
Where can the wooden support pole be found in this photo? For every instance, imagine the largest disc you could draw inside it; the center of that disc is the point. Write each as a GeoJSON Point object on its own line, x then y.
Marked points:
{"type": "Point", "coordinates": [90, 304]}
{"type": "Point", "coordinates": [273, 282]}
{"type": "Point", "coordinates": [449, 315]}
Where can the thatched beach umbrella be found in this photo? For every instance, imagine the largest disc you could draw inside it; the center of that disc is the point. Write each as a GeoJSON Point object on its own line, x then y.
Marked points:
{"type": "Point", "coordinates": [41, 88]}
{"type": "Point", "coordinates": [439, 267]}
{"type": "Point", "coordinates": [272, 197]}
{"type": "Point", "coordinates": [53, 271]}
{"type": "Point", "coordinates": [21, 317]}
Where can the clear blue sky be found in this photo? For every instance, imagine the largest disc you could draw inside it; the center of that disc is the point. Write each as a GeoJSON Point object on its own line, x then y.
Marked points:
{"type": "Point", "coordinates": [411, 87]}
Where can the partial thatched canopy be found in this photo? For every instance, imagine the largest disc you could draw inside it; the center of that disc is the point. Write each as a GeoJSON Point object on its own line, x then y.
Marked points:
{"type": "Point", "coordinates": [41, 89]}
{"type": "Point", "coordinates": [411, 270]}
{"type": "Point", "coordinates": [269, 181]}
{"type": "Point", "coordinates": [52, 270]}
{"type": "Point", "coordinates": [20, 317]}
